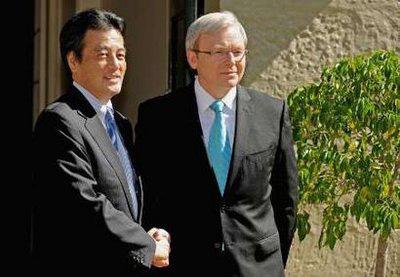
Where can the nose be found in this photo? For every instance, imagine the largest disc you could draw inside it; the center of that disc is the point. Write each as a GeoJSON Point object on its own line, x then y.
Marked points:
{"type": "Point", "coordinates": [113, 62]}
{"type": "Point", "coordinates": [230, 58]}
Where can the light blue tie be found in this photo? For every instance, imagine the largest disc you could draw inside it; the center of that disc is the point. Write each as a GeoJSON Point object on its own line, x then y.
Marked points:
{"type": "Point", "coordinates": [219, 148]}
{"type": "Point", "coordinates": [124, 158]}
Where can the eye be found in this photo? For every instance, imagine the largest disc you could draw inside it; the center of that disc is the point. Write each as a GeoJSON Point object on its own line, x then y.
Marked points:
{"type": "Point", "coordinates": [218, 52]}
{"type": "Point", "coordinates": [121, 56]}
{"type": "Point", "coordinates": [103, 54]}
{"type": "Point", "coordinates": [237, 53]}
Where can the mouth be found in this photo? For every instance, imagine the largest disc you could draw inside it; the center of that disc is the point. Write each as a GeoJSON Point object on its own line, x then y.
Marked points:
{"type": "Point", "coordinates": [113, 78]}
{"type": "Point", "coordinates": [230, 73]}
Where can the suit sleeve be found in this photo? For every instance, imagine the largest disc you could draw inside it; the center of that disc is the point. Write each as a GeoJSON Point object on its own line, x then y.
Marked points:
{"type": "Point", "coordinates": [284, 180]}
{"type": "Point", "coordinates": [64, 181]}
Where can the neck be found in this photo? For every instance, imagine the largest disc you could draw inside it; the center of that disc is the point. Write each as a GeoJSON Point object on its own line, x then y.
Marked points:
{"type": "Point", "coordinates": [103, 99]}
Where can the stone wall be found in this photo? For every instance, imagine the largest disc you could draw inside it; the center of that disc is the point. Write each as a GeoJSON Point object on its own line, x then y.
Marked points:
{"type": "Point", "coordinates": [289, 42]}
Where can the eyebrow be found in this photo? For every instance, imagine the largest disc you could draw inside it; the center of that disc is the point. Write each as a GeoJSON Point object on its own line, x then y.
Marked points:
{"type": "Point", "coordinates": [233, 48]}
{"type": "Point", "coordinates": [101, 48]}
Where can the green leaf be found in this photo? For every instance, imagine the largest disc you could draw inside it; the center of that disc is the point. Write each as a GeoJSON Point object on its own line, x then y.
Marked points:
{"type": "Point", "coordinates": [303, 226]}
{"type": "Point", "coordinates": [395, 220]}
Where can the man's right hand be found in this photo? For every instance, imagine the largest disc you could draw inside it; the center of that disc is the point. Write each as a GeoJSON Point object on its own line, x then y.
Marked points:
{"type": "Point", "coordinates": [161, 255]}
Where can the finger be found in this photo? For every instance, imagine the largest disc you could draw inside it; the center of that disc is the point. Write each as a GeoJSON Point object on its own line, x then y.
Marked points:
{"type": "Point", "coordinates": [161, 263]}
{"type": "Point", "coordinates": [159, 237]}
{"type": "Point", "coordinates": [152, 231]}
{"type": "Point", "coordinates": [164, 233]}
{"type": "Point", "coordinates": [165, 262]}
{"type": "Point", "coordinates": [164, 251]}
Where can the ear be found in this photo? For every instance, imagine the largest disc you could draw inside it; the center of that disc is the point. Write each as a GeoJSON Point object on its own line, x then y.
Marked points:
{"type": "Point", "coordinates": [72, 61]}
{"type": "Point", "coordinates": [192, 59]}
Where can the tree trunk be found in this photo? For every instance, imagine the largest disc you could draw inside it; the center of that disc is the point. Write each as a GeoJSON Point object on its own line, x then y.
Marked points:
{"type": "Point", "coordinates": [381, 257]}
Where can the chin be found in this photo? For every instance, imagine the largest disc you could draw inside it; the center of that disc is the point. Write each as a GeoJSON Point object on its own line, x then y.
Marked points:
{"type": "Point", "coordinates": [232, 83]}
{"type": "Point", "coordinates": [115, 89]}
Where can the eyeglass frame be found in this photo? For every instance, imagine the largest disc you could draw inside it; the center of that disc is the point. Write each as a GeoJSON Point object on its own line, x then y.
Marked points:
{"type": "Point", "coordinates": [212, 53]}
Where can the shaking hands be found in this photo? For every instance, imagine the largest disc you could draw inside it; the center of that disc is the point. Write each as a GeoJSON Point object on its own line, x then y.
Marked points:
{"type": "Point", "coordinates": [162, 240]}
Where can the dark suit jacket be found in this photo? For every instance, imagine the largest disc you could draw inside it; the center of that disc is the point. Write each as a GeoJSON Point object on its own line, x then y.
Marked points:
{"type": "Point", "coordinates": [255, 218]}
{"type": "Point", "coordinates": [82, 217]}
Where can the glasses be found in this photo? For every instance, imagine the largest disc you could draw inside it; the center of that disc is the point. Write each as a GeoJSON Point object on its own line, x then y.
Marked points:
{"type": "Point", "coordinates": [220, 55]}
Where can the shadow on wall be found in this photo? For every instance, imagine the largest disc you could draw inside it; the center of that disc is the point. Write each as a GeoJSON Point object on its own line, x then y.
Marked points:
{"type": "Point", "coordinates": [269, 32]}
{"type": "Point", "coordinates": [291, 40]}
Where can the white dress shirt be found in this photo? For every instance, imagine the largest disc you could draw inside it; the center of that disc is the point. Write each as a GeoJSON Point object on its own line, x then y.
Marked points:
{"type": "Point", "coordinates": [207, 115]}
{"type": "Point", "coordinates": [96, 104]}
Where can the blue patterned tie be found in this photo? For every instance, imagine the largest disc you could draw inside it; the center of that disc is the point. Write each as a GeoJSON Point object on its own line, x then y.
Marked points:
{"type": "Point", "coordinates": [111, 129]}
{"type": "Point", "coordinates": [124, 158]}
{"type": "Point", "coordinates": [219, 148]}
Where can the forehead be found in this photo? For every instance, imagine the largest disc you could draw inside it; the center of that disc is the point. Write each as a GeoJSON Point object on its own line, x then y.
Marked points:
{"type": "Point", "coordinates": [227, 36]}
{"type": "Point", "coordinates": [103, 38]}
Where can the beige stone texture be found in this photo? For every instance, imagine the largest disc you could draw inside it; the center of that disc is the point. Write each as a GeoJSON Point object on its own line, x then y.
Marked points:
{"type": "Point", "coordinates": [290, 41]}
{"type": "Point", "coordinates": [354, 256]}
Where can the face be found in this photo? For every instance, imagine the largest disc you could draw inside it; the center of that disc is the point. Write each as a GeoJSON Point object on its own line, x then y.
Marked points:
{"type": "Point", "coordinates": [217, 76]}
{"type": "Point", "coordinates": [102, 66]}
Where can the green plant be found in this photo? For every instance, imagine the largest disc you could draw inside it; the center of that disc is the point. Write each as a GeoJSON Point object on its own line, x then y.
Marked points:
{"type": "Point", "coordinates": [347, 133]}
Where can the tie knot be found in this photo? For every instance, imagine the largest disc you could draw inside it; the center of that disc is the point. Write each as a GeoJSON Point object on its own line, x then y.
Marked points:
{"type": "Point", "coordinates": [217, 106]}
{"type": "Point", "coordinates": [109, 118]}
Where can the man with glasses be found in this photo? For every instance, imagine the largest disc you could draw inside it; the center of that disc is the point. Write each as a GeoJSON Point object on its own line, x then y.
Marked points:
{"type": "Point", "coordinates": [218, 163]}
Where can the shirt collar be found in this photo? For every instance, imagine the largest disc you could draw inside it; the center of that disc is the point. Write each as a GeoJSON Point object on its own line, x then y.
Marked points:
{"type": "Point", "coordinates": [96, 104]}
{"type": "Point", "coordinates": [204, 99]}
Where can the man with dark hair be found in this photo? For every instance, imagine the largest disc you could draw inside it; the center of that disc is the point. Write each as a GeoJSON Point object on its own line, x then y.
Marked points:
{"type": "Point", "coordinates": [229, 196]}
{"type": "Point", "coordinates": [87, 192]}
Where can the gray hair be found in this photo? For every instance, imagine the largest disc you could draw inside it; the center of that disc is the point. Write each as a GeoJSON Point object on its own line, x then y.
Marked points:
{"type": "Point", "coordinates": [210, 23]}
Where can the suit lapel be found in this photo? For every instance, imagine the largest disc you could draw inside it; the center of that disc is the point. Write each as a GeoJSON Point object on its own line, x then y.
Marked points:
{"type": "Point", "coordinates": [125, 130]}
{"type": "Point", "coordinates": [193, 127]}
{"type": "Point", "coordinates": [192, 120]}
{"type": "Point", "coordinates": [243, 118]}
{"type": "Point", "coordinates": [99, 134]}
{"type": "Point", "coordinates": [97, 131]}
